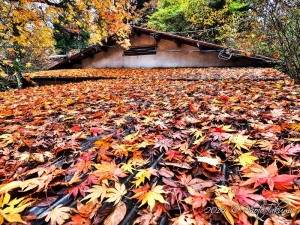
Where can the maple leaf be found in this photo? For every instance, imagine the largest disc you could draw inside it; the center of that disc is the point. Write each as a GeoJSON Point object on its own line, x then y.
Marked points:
{"type": "Point", "coordinates": [7, 139]}
{"type": "Point", "coordinates": [103, 146]}
{"type": "Point", "coordinates": [295, 126]}
{"type": "Point", "coordinates": [26, 185]}
{"type": "Point", "coordinates": [78, 220]}
{"type": "Point", "coordinates": [12, 209]}
{"type": "Point", "coordinates": [265, 145]}
{"type": "Point", "coordinates": [160, 125]}
{"type": "Point", "coordinates": [199, 141]}
{"type": "Point", "coordinates": [96, 192]}
{"type": "Point", "coordinates": [288, 150]}
{"type": "Point", "coordinates": [108, 170]}
{"type": "Point", "coordinates": [277, 113]}
{"type": "Point", "coordinates": [242, 141]}
{"type": "Point", "coordinates": [290, 201]}
{"type": "Point", "coordinates": [127, 167]}
{"type": "Point", "coordinates": [284, 182]}
{"type": "Point", "coordinates": [173, 155]}
{"type": "Point", "coordinates": [150, 196]}
{"type": "Point", "coordinates": [197, 199]}
{"type": "Point", "coordinates": [195, 132]}
{"type": "Point", "coordinates": [165, 172]}
{"type": "Point", "coordinates": [260, 175]}
{"type": "Point", "coordinates": [223, 129]}
{"type": "Point", "coordinates": [116, 194]}
{"type": "Point", "coordinates": [117, 215]}
{"type": "Point", "coordinates": [210, 161]}
{"type": "Point", "coordinates": [246, 196]}
{"type": "Point", "coordinates": [96, 130]}
{"type": "Point", "coordinates": [163, 144]}
{"type": "Point", "coordinates": [58, 215]}
{"type": "Point", "coordinates": [179, 135]}
{"type": "Point", "coordinates": [224, 203]}
{"type": "Point", "coordinates": [196, 184]}
{"type": "Point", "coordinates": [194, 107]}
{"type": "Point", "coordinates": [246, 159]}
{"type": "Point", "coordinates": [137, 160]}
{"type": "Point", "coordinates": [143, 174]}
{"type": "Point", "coordinates": [224, 190]}
{"type": "Point", "coordinates": [184, 148]}
{"type": "Point", "coordinates": [81, 188]}
{"type": "Point", "coordinates": [120, 150]}
{"type": "Point", "coordinates": [184, 219]}
{"type": "Point", "coordinates": [83, 165]}
{"type": "Point", "coordinates": [89, 209]}
{"type": "Point", "coordinates": [146, 218]}
{"type": "Point", "coordinates": [175, 194]}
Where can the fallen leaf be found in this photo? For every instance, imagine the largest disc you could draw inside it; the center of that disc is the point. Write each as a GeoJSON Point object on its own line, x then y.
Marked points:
{"type": "Point", "coordinates": [117, 215]}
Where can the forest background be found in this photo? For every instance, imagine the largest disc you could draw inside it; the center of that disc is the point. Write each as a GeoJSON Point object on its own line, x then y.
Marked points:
{"type": "Point", "coordinates": [31, 31]}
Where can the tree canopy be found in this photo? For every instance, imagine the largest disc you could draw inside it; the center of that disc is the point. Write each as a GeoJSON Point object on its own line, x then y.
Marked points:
{"type": "Point", "coordinates": [29, 25]}
{"type": "Point", "coordinates": [23, 20]}
{"type": "Point", "coordinates": [218, 16]}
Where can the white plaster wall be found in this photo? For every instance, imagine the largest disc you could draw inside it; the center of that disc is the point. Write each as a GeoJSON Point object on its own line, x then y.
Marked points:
{"type": "Point", "coordinates": [114, 58]}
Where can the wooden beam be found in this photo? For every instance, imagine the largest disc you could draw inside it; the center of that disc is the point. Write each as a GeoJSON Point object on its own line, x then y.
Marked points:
{"type": "Point", "coordinates": [199, 46]}
{"type": "Point", "coordinates": [104, 48]}
{"type": "Point", "coordinates": [177, 42]}
{"type": "Point", "coordinates": [137, 32]}
{"type": "Point", "coordinates": [156, 36]}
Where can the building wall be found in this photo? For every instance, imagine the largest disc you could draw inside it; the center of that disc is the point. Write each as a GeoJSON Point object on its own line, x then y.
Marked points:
{"type": "Point", "coordinates": [114, 58]}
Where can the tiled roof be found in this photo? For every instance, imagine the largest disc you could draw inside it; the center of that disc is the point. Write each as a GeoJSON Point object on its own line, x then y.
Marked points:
{"type": "Point", "coordinates": [92, 50]}
{"type": "Point", "coordinates": [202, 141]}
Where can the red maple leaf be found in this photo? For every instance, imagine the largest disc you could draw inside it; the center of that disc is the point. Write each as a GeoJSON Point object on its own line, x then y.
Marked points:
{"type": "Point", "coordinates": [246, 196]}
{"type": "Point", "coordinates": [173, 155]}
{"type": "Point", "coordinates": [284, 182]}
{"type": "Point", "coordinates": [81, 188]}
{"type": "Point", "coordinates": [260, 175]}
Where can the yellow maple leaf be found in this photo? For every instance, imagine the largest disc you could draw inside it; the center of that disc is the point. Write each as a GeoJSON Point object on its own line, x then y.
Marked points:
{"type": "Point", "coordinates": [246, 159]}
{"type": "Point", "coordinates": [227, 128]}
{"type": "Point", "coordinates": [242, 141]}
{"type": "Point", "coordinates": [150, 196]}
{"type": "Point", "coordinates": [6, 140]}
{"type": "Point", "coordinates": [295, 126]}
{"type": "Point", "coordinates": [224, 190]}
{"type": "Point", "coordinates": [127, 167]}
{"type": "Point", "coordinates": [195, 132]}
{"type": "Point", "coordinates": [223, 209]}
{"type": "Point", "coordinates": [143, 174]}
{"type": "Point", "coordinates": [96, 192]}
{"type": "Point", "coordinates": [116, 194]}
{"type": "Point", "coordinates": [58, 215]}
{"type": "Point", "coordinates": [12, 209]}
{"type": "Point", "coordinates": [265, 145]}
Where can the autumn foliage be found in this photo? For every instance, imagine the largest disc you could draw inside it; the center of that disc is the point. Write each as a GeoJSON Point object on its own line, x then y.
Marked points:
{"type": "Point", "coordinates": [191, 151]}
{"type": "Point", "coordinates": [212, 73]}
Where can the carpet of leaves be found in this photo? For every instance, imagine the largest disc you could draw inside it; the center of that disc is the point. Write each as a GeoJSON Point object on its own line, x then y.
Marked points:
{"type": "Point", "coordinates": [212, 73]}
{"type": "Point", "coordinates": [152, 151]}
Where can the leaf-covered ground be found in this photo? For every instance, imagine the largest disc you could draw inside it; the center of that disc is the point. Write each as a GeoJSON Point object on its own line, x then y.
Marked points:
{"type": "Point", "coordinates": [152, 151]}
{"type": "Point", "coordinates": [163, 73]}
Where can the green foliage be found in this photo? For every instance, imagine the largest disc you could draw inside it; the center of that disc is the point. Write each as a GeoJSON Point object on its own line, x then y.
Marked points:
{"type": "Point", "coordinates": [67, 38]}
{"type": "Point", "coordinates": [238, 7]}
{"type": "Point", "coordinates": [178, 15]}
{"type": "Point", "coordinates": [170, 17]}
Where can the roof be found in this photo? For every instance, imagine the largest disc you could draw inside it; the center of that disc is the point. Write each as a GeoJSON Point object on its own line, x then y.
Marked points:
{"type": "Point", "coordinates": [204, 46]}
{"type": "Point", "coordinates": [136, 140]}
